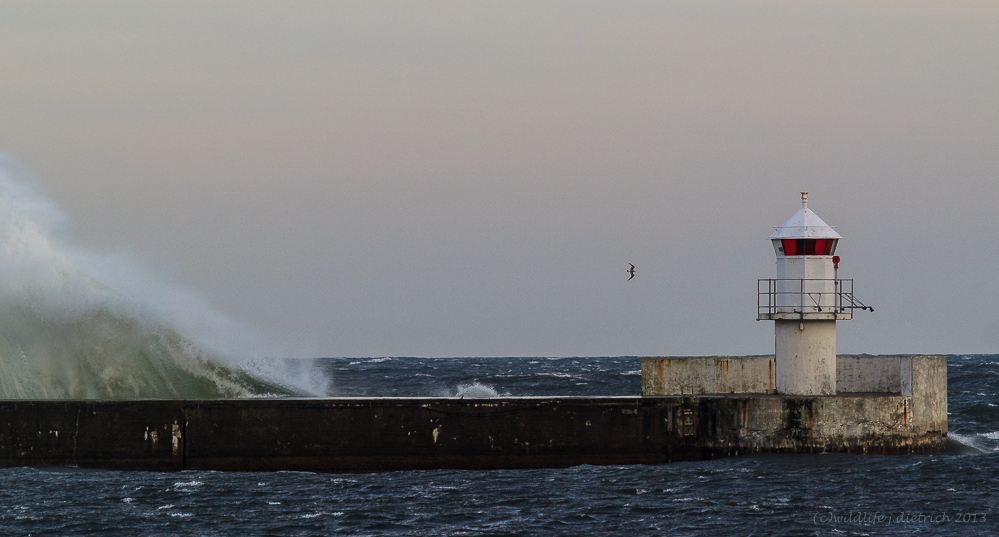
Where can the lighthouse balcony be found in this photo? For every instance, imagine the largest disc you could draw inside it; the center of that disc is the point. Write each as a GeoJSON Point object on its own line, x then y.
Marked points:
{"type": "Point", "coordinates": [806, 299]}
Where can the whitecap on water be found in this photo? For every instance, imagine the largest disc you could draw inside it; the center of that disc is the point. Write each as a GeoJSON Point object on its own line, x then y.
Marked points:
{"type": "Point", "coordinates": [559, 375]}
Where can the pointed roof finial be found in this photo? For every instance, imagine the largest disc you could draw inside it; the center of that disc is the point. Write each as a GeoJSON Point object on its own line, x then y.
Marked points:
{"type": "Point", "coordinates": [805, 224]}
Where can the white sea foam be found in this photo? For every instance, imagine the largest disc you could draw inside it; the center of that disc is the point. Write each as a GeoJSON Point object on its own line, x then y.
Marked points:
{"type": "Point", "coordinates": [77, 324]}
{"type": "Point", "coordinates": [965, 445]}
{"type": "Point", "coordinates": [475, 391]}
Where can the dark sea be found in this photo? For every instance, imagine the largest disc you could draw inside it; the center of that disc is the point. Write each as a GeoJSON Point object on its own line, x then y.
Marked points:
{"type": "Point", "coordinates": [827, 494]}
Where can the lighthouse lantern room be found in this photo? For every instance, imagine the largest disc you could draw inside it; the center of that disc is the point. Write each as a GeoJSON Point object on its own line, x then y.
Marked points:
{"type": "Point", "coordinates": [805, 300]}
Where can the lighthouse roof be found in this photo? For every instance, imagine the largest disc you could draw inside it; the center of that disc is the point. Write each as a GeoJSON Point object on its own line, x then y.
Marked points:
{"type": "Point", "coordinates": [805, 224]}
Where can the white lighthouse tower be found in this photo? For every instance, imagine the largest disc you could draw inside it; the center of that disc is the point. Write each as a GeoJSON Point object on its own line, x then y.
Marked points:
{"type": "Point", "coordinates": [805, 301]}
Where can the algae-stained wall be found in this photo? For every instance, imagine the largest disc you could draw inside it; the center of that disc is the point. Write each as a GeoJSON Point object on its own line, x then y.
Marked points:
{"type": "Point", "coordinates": [901, 394]}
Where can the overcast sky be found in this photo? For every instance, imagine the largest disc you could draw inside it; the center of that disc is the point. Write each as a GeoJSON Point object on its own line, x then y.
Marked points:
{"type": "Point", "coordinates": [473, 178]}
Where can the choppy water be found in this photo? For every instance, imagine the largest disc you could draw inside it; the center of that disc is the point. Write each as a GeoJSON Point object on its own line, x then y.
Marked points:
{"type": "Point", "coordinates": [951, 494]}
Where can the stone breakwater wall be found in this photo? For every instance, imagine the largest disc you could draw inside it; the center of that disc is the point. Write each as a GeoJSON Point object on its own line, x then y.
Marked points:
{"type": "Point", "coordinates": [690, 409]}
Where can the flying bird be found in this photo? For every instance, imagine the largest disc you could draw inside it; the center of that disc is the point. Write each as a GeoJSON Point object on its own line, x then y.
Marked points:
{"type": "Point", "coordinates": [631, 271]}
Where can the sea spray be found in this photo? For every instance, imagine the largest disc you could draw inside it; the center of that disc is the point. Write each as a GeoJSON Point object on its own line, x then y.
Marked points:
{"type": "Point", "coordinates": [76, 324]}
{"type": "Point", "coordinates": [475, 390]}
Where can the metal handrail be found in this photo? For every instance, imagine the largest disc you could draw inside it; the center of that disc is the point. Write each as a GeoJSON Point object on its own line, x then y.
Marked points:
{"type": "Point", "coordinates": [843, 300]}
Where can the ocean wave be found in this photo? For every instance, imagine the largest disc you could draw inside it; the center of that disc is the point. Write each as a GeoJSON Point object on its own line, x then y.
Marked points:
{"type": "Point", "coordinates": [79, 325]}
{"type": "Point", "coordinates": [958, 444]}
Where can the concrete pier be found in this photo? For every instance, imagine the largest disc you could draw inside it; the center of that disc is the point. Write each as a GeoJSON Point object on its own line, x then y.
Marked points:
{"type": "Point", "coordinates": [366, 435]}
{"type": "Point", "coordinates": [690, 409]}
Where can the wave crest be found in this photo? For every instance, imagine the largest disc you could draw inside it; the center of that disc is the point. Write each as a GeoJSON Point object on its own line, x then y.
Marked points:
{"type": "Point", "coordinates": [68, 332]}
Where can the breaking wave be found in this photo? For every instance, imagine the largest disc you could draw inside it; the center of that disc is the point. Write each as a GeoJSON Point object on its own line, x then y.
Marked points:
{"type": "Point", "coordinates": [958, 444]}
{"type": "Point", "coordinates": [80, 325]}
{"type": "Point", "coordinates": [475, 391]}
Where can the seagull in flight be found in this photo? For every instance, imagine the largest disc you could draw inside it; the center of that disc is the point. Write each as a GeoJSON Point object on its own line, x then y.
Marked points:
{"type": "Point", "coordinates": [631, 271]}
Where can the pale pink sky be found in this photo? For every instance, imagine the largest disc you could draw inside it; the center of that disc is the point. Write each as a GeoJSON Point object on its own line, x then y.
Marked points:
{"type": "Point", "coordinates": [473, 178]}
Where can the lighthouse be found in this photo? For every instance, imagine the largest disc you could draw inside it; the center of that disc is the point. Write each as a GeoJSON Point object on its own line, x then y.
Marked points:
{"type": "Point", "coordinates": [805, 300]}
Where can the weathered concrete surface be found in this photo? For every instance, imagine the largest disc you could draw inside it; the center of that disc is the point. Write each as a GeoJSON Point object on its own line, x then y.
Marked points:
{"type": "Point", "coordinates": [378, 434]}
{"type": "Point", "coordinates": [805, 357]}
{"type": "Point", "coordinates": [138, 435]}
{"type": "Point", "coordinates": [849, 424]}
{"type": "Point", "coordinates": [872, 374]}
{"type": "Point", "coordinates": [702, 375]}
{"type": "Point", "coordinates": [929, 391]}
{"type": "Point", "coordinates": [886, 401]}
{"type": "Point", "coordinates": [390, 433]}
{"type": "Point", "coordinates": [889, 374]}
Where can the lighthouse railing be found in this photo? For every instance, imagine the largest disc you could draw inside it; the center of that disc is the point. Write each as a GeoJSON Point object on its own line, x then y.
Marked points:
{"type": "Point", "coordinates": [806, 298]}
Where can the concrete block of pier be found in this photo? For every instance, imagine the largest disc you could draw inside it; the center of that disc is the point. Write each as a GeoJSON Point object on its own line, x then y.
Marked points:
{"type": "Point", "coordinates": [881, 401]}
{"type": "Point", "coordinates": [704, 375]}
